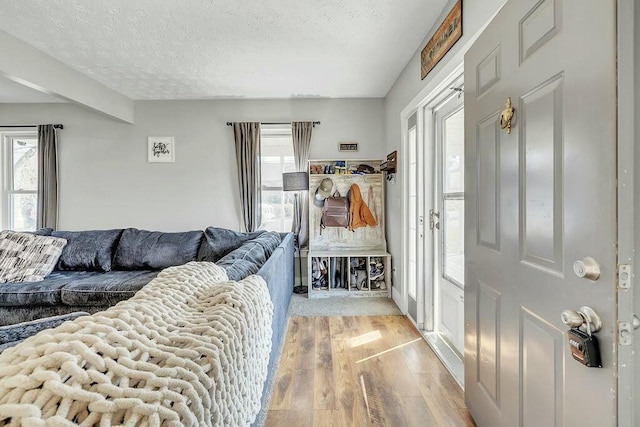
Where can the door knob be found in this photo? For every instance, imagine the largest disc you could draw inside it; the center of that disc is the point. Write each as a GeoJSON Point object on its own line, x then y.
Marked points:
{"type": "Point", "coordinates": [574, 319]}
{"type": "Point", "coordinates": [571, 318]}
{"type": "Point", "coordinates": [587, 268]}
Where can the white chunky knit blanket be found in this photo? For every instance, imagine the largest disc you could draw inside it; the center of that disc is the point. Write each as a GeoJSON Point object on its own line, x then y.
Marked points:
{"type": "Point", "coordinates": [190, 348]}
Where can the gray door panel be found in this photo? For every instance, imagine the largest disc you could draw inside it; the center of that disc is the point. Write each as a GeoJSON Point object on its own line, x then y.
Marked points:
{"type": "Point", "coordinates": [539, 199]}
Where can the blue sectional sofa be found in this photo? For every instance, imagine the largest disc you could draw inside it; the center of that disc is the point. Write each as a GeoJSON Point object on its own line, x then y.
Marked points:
{"type": "Point", "coordinates": [99, 268]}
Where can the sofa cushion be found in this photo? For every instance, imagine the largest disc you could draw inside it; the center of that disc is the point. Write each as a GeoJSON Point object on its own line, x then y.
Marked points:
{"type": "Point", "coordinates": [46, 292]}
{"type": "Point", "coordinates": [250, 256]}
{"type": "Point", "coordinates": [46, 231]}
{"type": "Point", "coordinates": [154, 250]}
{"type": "Point", "coordinates": [105, 289]}
{"type": "Point", "coordinates": [26, 257]}
{"type": "Point", "coordinates": [89, 250]}
{"type": "Point", "coordinates": [218, 242]}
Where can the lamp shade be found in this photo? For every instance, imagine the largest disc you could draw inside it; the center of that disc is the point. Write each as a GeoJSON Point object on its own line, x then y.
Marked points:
{"type": "Point", "coordinates": [295, 181]}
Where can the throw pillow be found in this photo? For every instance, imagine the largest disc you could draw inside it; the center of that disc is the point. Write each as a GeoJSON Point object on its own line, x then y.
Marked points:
{"type": "Point", "coordinates": [89, 250]}
{"type": "Point", "coordinates": [155, 250]}
{"type": "Point", "coordinates": [25, 257]}
{"type": "Point", "coordinates": [218, 242]}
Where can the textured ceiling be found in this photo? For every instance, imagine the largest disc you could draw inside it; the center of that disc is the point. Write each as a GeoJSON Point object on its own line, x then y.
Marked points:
{"type": "Point", "coordinates": [199, 49]}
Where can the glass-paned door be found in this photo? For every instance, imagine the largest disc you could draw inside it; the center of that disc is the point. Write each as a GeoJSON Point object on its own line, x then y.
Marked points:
{"type": "Point", "coordinates": [453, 197]}
{"type": "Point", "coordinates": [448, 220]}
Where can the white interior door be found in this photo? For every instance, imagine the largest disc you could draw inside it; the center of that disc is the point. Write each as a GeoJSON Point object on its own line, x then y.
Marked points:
{"type": "Point", "coordinates": [539, 199]}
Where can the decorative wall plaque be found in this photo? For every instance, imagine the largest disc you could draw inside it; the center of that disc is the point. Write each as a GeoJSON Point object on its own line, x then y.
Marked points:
{"type": "Point", "coordinates": [447, 34]}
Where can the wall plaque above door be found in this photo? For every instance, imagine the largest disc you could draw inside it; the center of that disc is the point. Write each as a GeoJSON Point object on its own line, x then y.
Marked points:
{"type": "Point", "coordinates": [447, 34]}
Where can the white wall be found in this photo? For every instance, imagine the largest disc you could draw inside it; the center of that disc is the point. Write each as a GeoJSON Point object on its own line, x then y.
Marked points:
{"type": "Point", "coordinates": [405, 94]}
{"type": "Point", "coordinates": [105, 180]}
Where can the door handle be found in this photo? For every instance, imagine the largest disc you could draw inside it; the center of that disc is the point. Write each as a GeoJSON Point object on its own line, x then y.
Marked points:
{"type": "Point", "coordinates": [433, 223]}
{"type": "Point", "coordinates": [575, 319]}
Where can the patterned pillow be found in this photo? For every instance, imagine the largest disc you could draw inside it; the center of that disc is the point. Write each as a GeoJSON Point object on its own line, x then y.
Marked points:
{"type": "Point", "coordinates": [25, 257]}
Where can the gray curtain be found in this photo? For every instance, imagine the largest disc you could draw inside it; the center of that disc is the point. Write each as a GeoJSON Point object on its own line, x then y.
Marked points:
{"type": "Point", "coordinates": [47, 177]}
{"type": "Point", "coordinates": [301, 132]}
{"type": "Point", "coordinates": [247, 138]}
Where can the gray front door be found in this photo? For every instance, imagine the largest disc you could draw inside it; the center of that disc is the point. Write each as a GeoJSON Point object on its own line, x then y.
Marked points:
{"type": "Point", "coordinates": [537, 200]}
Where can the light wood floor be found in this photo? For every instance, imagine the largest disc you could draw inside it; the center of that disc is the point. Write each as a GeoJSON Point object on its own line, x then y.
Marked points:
{"type": "Point", "coordinates": [362, 371]}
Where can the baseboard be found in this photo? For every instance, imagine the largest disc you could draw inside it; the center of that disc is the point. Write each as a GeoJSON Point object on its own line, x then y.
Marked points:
{"type": "Point", "coordinates": [396, 296]}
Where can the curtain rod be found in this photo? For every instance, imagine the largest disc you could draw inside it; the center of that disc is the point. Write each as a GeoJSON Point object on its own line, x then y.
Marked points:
{"type": "Point", "coordinates": [276, 123]}
{"type": "Point", "coordinates": [58, 126]}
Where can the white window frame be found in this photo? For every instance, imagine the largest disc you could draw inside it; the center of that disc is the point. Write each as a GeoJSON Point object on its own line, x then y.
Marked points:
{"type": "Point", "coordinates": [444, 195]}
{"type": "Point", "coordinates": [6, 162]}
{"type": "Point", "coordinates": [276, 131]}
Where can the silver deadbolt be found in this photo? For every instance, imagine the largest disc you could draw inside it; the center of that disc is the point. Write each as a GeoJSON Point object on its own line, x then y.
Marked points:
{"type": "Point", "coordinates": [587, 268]}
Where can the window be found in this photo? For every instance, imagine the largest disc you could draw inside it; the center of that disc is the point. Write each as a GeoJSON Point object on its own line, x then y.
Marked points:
{"type": "Point", "coordinates": [453, 196]}
{"type": "Point", "coordinates": [276, 157]}
{"type": "Point", "coordinates": [19, 201]}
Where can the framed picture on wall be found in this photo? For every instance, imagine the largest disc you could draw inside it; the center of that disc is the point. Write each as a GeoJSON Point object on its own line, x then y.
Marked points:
{"type": "Point", "coordinates": [347, 146]}
{"type": "Point", "coordinates": [161, 149]}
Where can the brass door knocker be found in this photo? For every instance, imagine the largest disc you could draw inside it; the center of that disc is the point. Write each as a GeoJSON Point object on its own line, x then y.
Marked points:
{"type": "Point", "coordinates": [506, 116]}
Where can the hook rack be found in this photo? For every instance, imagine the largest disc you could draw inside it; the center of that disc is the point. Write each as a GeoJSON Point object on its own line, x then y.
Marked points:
{"type": "Point", "coordinates": [390, 165]}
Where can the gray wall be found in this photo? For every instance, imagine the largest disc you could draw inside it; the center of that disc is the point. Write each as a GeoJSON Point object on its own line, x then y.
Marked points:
{"type": "Point", "coordinates": [404, 91]}
{"type": "Point", "coordinates": [105, 180]}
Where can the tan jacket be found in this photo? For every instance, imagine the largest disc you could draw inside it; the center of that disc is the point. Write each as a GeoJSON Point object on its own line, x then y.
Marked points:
{"type": "Point", "coordinates": [359, 213]}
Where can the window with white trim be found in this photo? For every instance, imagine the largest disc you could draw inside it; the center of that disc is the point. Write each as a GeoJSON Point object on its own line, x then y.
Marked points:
{"type": "Point", "coordinates": [276, 157]}
{"type": "Point", "coordinates": [19, 202]}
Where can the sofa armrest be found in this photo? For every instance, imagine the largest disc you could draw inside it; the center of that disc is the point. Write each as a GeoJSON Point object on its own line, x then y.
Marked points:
{"type": "Point", "coordinates": [20, 331]}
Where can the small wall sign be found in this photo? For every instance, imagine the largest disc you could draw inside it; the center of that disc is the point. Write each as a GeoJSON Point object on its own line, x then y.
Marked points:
{"type": "Point", "coordinates": [347, 146]}
{"type": "Point", "coordinates": [161, 149]}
